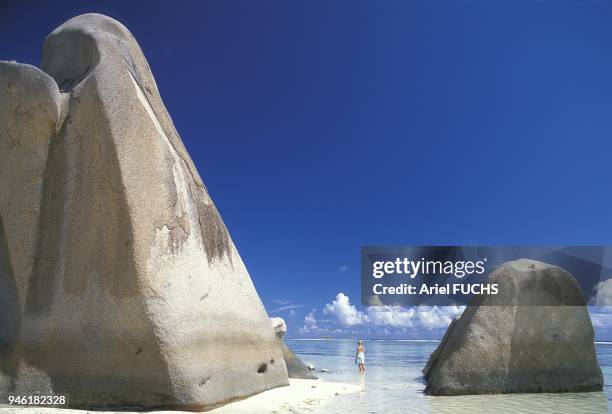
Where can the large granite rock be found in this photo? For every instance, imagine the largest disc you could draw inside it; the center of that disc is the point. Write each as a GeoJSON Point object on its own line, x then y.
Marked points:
{"type": "Point", "coordinates": [541, 340]}
{"type": "Point", "coordinates": [29, 112]}
{"type": "Point", "coordinates": [119, 283]}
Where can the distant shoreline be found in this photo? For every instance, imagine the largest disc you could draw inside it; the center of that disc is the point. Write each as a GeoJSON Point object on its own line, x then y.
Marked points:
{"type": "Point", "coordinates": [368, 340]}
{"type": "Point", "coordinates": [396, 340]}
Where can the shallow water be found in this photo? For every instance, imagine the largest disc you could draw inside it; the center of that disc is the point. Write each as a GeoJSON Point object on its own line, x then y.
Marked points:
{"type": "Point", "coordinates": [393, 382]}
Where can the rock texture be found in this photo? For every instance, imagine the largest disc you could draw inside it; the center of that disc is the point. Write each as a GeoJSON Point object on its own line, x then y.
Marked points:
{"type": "Point", "coordinates": [29, 112]}
{"type": "Point", "coordinates": [279, 326]}
{"type": "Point", "coordinates": [119, 283]}
{"type": "Point", "coordinates": [295, 367]}
{"type": "Point", "coordinates": [542, 342]}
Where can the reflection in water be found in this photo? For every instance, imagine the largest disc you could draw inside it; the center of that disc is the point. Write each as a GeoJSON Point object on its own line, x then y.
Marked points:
{"type": "Point", "coordinates": [362, 381]}
{"type": "Point", "coordinates": [393, 382]}
{"type": "Point", "coordinates": [576, 403]}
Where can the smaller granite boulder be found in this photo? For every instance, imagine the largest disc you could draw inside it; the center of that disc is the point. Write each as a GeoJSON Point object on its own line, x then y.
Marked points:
{"type": "Point", "coordinates": [280, 328]}
{"type": "Point", "coordinates": [534, 336]}
{"type": "Point", "coordinates": [295, 367]}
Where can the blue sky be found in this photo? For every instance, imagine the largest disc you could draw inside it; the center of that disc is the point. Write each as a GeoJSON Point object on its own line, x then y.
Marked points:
{"type": "Point", "coordinates": [319, 127]}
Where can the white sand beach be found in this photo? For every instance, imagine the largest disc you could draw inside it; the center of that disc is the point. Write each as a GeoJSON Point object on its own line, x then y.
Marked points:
{"type": "Point", "coordinates": [302, 395]}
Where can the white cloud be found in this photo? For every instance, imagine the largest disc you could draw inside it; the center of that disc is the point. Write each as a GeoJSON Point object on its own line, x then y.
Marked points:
{"type": "Point", "coordinates": [429, 317]}
{"type": "Point", "coordinates": [288, 307]}
{"type": "Point", "coordinates": [343, 268]}
{"type": "Point", "coordinates": [291, 312]}
{"type": "Point", "coordinates": [310, 322]}
{"type": "Point", "coordinates": [346, 313]}
{"type": "Point", "coordinates": [435, 317]}
{"type": "Point", "coordinates": [604, 293]}
{"type": "Point", "coordinates": [394, 316]}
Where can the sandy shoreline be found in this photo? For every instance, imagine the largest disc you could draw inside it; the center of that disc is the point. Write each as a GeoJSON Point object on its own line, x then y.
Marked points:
{"type": "Point", "coordinates": [299, 396]}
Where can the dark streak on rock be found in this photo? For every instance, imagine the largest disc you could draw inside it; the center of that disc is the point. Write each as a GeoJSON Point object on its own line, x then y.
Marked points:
{"type": "Point", "coordinates": [217, 242]}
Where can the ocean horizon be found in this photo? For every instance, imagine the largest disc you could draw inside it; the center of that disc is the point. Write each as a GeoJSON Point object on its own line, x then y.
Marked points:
{"type": "Point", "coordinates": [393, 382]}
{"type": "Point", "coordinates": [394, 340]}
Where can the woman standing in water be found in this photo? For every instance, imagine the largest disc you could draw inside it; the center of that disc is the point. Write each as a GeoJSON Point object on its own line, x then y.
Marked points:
{"type": "Point", "coordinates": [360, 356]}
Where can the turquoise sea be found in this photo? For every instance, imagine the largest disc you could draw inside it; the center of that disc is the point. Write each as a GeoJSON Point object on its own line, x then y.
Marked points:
{"type": "Point", "coordinates": [393, 382]}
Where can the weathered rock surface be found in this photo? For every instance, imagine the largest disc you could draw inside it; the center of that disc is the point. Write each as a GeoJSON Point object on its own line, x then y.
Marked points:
{"type": "Point", "coordinates": [295, 367]}
{"type": "Point", "coordinates": [119, 283]}
{"type": "Point", "coordinates": [542, 342]}
{"type": "Point", "coordinates": [29, 111]}
{"type": "Point", "coordinates": [279, 326]}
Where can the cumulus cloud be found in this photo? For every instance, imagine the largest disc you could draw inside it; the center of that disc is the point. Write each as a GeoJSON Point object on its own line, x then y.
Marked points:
{"type": "Point", "coordinates": [429, 317]}
{"type": "Point", "coordinates": [310, 322]}
{"type": "Point", "coordinates": [346, 313]}
{"type": "Point", "coordinates": [435, 317]}
{"type": "Point", "coordinates": [288, 307]}
{"type": "Point", "coordinates": [394, 316]}
{"type": "Point", "coordinates": [604, 293]}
